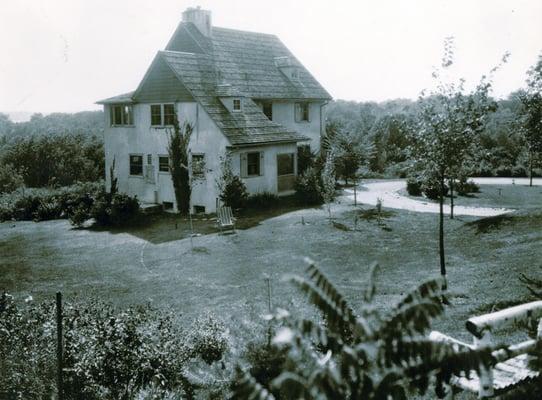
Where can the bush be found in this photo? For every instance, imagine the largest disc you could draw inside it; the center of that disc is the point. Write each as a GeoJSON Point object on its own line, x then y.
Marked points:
{"type": "Point", "coordinates": [431, 188]}
{"type": "Point", "coordinates": [10, 179]}
{"type": "Point", "coordinates": [308, 187]}
{"type": "Point", "coordinates": [464, 187]}
{"type": "Point", "coordinates": [109, 353]}
{"type": "Point", "coordinates": [265, 362]}
{"type": "Point", "coordinates": [305, 158]}
{"type": "Point", "coordinates": [414, 186]}
{"type": "Point", "coordinates": [234, 193]}
{"type": "Point", "coordinates": [263, 200]}
{"type": "Point", "coordinates": [208, 338]}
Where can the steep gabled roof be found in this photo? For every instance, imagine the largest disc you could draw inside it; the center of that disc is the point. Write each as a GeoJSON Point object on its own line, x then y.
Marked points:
{"type": "Point", "coordinates": [246, 60]}
{"type": "Point", "coordinates": [251, 126]}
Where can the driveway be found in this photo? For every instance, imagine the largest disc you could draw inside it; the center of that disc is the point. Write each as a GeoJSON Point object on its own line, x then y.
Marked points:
{"type": "Point", "coordinates": [387, 192]}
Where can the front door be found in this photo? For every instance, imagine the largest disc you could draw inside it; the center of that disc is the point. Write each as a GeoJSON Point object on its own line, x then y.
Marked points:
{"type": "Point", "coordinates": [285, 172]}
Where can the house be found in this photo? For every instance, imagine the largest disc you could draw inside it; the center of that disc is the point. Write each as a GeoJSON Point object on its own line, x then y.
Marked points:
{"type": "Point", "coordinates": [245, 95]}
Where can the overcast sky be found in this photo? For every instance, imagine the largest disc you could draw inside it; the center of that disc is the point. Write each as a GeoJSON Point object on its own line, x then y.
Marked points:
{"type": "Point", "coordinates": [63, 55]}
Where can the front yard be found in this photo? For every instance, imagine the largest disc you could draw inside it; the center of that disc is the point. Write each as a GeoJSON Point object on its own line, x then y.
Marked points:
{"type": "Point", "coordinates": [225, 274]}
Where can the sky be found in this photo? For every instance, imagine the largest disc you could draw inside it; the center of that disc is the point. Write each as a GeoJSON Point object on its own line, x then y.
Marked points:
{"type": "Point", "coordinates": [64, 55]}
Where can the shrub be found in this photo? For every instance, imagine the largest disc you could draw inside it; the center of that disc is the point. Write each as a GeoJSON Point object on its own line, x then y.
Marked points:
{"type": "Point", "coordinates": [10, 178]}
{"type": "Point", "coordinates": [263, 200]}
{"type": "Point", "coordinates": [464, 187]}
{"type": "Point", "coordinates": [431, 188]}
{"type": "Point", "coordinates": [114, 210]}
{"type": "Point", "coordinates": [108, 353]}
{"type": "Point", "coordinates": [305, 158]}
{"type": "Point", "coordinates": [308, 187]}
{"type": "Point", "coordinates": [208, 338]}
{"type": "Point", "coordinates": [414, 186]}
{"type": "Point", "coordinates": [234, 193]}
{"type": "Point", "coordinates": [265, 362]}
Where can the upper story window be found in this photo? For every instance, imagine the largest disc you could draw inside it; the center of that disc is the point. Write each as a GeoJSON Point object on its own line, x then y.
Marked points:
{"type": "Point", "coordinates": [162, 114]}
{"type": "Point", "coordinates": [267, 109]}
{"type": "Point", "coordinates": [302, 112]}
{"type": "Point", "coordinates": [122, 114]}
{"type": "Point", "coordinates": [236, 104]}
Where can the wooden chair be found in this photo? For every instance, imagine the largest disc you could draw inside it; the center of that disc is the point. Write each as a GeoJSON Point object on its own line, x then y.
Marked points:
{"type": "Point", "coordinates": [225, 219]}
{"type": "Point", "coordinates": [512, 368]}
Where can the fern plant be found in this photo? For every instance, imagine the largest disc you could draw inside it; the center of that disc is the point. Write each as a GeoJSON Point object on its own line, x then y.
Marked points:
{"type": "Point", "coordinates": [363, 355]}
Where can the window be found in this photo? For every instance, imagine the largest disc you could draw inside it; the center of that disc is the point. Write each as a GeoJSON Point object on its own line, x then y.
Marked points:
{"type": "Point", "coordinates": [302, 112]}
{"type": "Point", "coordinates": [198, 165]}
{"type": "Point", "coordinates": [285, 164]}
{"type": "Point", "coordinates": [236, 104]}
{"type": "Point", "coordinates": [253, 164]}
{"type": "Point", "coordinates": [122, 114]}
{"type": "Point", "coordinates": [156, 114]}
{"type": "Point", "coordinates": [162, 114]}
{"type": "Point", "coordinates": [268, 110]}
{"type": "Point", "coordinates": [136, 164]}
{"type": "Point", "coordinates": [163, 163]}
{"type": "Point", "coordinates": [149, 159]}
{"type": "Point", "coordinates": [169, 114]}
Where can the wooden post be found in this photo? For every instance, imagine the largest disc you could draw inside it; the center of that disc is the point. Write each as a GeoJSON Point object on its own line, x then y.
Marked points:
{"type": "Point", "coordinates": [59, 350]}
{"type": "Point", "coordinates": [486, 374]}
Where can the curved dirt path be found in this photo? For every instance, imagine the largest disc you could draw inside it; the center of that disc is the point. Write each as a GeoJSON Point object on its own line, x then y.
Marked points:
{"type": "Point", "coordinates": [387, 191]}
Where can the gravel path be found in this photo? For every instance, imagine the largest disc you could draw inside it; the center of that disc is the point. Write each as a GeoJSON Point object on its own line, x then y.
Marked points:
{"type": "Point", "coordinates": [387, 191]}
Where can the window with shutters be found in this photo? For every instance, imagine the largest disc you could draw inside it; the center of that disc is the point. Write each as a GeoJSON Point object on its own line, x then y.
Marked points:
{"type": "Point", "coordinates": [302, 112]}
{"type": "Point", "coordinates": [253, 164]}
{"type": "Point", "coordinates": [136, 165]}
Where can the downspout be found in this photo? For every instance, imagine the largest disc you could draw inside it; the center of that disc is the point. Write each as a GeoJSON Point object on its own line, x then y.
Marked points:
{"type": "Point", "coordinates": [322, 122]}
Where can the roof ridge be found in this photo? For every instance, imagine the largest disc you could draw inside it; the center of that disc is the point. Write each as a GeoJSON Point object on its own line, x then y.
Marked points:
{"type": "Point", "coordinates": [244, 31]}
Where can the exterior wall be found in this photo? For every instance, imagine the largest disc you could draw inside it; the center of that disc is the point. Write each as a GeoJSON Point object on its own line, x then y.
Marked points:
{"type": "Point", "coordinates": [144, 139]}
{"type": "Point", "coordinates": [284, 114]}
{"type": "Point", "coordinates": [268, 181]}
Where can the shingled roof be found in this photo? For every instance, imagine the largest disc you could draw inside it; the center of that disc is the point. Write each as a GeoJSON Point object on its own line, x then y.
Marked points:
{"type": "Point", "coordinates": [238, 63]}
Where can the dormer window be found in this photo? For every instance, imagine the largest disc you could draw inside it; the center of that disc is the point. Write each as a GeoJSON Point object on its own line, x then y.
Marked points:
{"type": "Point", "coordinates": [236, 105]}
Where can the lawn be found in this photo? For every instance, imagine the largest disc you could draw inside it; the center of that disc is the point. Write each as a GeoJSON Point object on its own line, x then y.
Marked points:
{"type": "Point", "coordinates": [225, 274]}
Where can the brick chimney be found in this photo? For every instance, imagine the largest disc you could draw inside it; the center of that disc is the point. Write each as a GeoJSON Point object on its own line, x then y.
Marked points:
{"type": "Point", "coordinates": [200, 18]}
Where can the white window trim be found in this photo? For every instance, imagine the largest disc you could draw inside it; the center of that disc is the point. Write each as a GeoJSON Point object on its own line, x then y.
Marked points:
{"type": "Point", "coordinates": [168, 172]}
{"type": "Point", "coordinates": [112, 115]}
{"type": "Point", "coordinates": [130, 165]}
{"type": "Point", "coordinates": [162, 115]}
{"type": "Point", "coordinates": [240, 109]}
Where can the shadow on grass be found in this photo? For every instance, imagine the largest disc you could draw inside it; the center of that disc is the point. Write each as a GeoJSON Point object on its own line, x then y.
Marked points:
{"type": "Point", "coordinates": [488, 224]}
{"type": "Point", "coordinates": [166, 227]}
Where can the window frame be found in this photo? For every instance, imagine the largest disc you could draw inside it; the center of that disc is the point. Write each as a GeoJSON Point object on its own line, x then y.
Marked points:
{"type": "Point", "coordinates": [199, 174]}
{"type": "Point", "coordinates": [126, 115]}
{"type": "Point", "coordinates": [258, 155]}
{"type": "Point", "coordinates": [164, 119]}
{"type": "Point", "coordinates": [130, 164]}
{"type": "Point", "coordinates": [302, 111]}
{"type": "Point", "coordinates": [160, 164]}
{"type": "Point", "coordinates": [238, 101]}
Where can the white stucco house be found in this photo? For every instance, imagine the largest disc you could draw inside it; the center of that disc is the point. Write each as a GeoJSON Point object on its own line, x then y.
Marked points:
{"type": "Point", "coordinates": [244, 94]}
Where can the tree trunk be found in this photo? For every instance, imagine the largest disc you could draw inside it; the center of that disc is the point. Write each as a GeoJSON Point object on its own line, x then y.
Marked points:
{"type": "Point", "coordinates": [441, 232]}
{"type": "Point", "coordinates": [451, 198]}
{"type": "Point", "coordinates": [530, 169]}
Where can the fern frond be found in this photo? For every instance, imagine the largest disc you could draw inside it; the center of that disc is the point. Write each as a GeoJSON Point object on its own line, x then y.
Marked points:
{"type": "Point", "coordinates": [291, 385]}
{"type": "Point", "coordinates": [246, 387]}
{"type": "Point", "coordinates": [412, 318]}
{"type": "Point", "coordinates": [338, 315]}
{"type": "Point", "coordinates": [316, 334]}
{"type": "Point", "coordinates": [432, 288]}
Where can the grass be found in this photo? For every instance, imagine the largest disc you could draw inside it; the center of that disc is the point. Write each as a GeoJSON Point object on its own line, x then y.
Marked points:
{"type": "Point", "coordinates": [226, 273]}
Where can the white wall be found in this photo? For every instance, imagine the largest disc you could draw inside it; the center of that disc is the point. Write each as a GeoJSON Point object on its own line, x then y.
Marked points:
{"type": "Point", "coordinates": [144, 139]}
{"type": "Point", "coordinates": [284, 114]}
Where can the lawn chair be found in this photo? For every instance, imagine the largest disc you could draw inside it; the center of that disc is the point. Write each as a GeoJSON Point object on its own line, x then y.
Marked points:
{"type": "Point", "coordinates": [512, 369]}
{"type": "Point", "coordinates": [225, 219]}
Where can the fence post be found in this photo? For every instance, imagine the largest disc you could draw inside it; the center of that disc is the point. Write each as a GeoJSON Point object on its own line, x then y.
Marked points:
{"type": "Point", "coordinates": [59, 345]}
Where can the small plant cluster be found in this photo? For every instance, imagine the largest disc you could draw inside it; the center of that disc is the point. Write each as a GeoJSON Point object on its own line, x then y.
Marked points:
{"type": "Point", "coordinates": [363, 355]}
{"type": "Point", "coordinates": [316, 185]}
{"type": "Point", "coordinates": [108, 353]}
{"type": "Point", "coordinates": [11, 178]}
{"type": "Point", "coordinates": [107, 209]}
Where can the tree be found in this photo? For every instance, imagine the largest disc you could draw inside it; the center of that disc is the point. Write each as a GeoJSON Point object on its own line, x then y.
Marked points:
{"type": "Point", "coordinates": [179, 140]}
{"type": "Point", "coordinates": [449, 123]}
{"type": "Point", "coordinates": [363, 355]}
{"type": "Point", "coordinates": [328, 181]}
{"type": "Point", "coordinates": [531, 100]}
